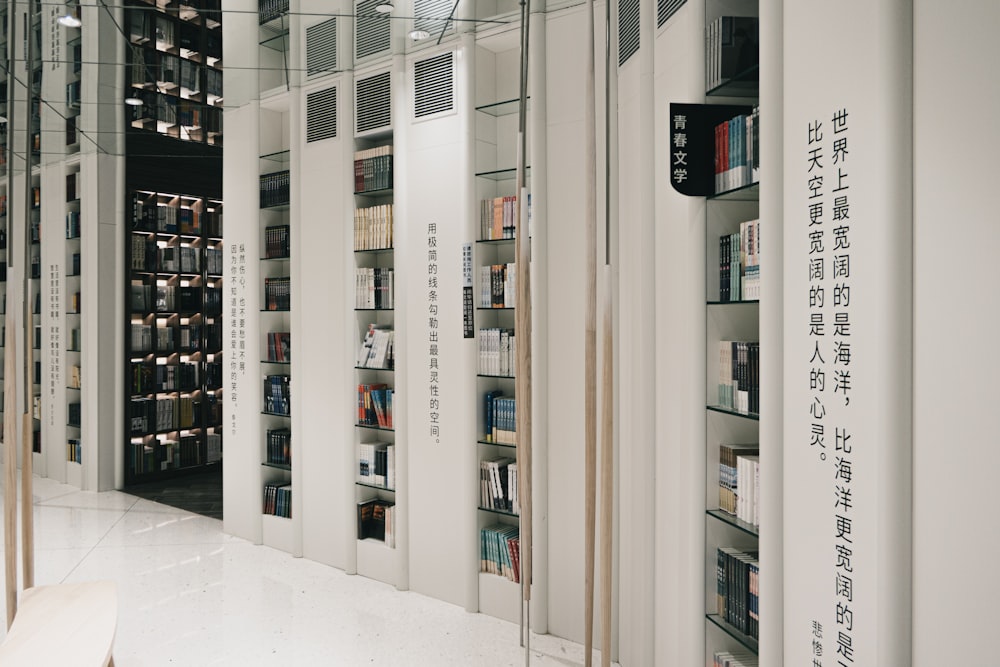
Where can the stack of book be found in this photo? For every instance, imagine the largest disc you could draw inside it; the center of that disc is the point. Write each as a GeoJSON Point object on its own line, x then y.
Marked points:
{"type": "Point", "coordinates": [275, 189]}
{"type": "Point", "coordinates": [739, 481]}
{"type": "Point", "coordinates": [498, 485]}
{"type": "Point", "coordinates": [739, 263]}
{"type": "Point", "coordinates": [501, 418]}
{"type": "Point", "coordinates": [737, 577]}
{"type": "Point", "coordinates": [279, 446]}
{"type": "Point", "coordinates": [732, 50]}
{"type": "Point", "coordinates": [373, 288]}
{"type": "Point", "coordinates": [497, 286]}
{"type": "Point", "coordinates": [278, 500]}
{"type": "Point", "coordinates": [373, 169]}
{"type": "Point", "coordinates": [377, 464]}
{"type": "Point", "coordinates": [739, 376]}
{"type": "Point", "coordinates": [279, 346]}
{"type": "Point", "coordinates": [500, 551]}
{"type": "Point", "coordinates": [373, 227]}
{"type": "Point", "coordinates": [496, 218]}
{"type": "Point", "coordinates": [277, 293]}
{"type": "Point", "coordinates": [737, 151]}
{"type": "Point", "coordinates": [739, 659]}
{"type": "Point", "coordinates": [74, 450]}
{"type": "Point", "coordinates": [277, 395]}
{"type": "Point", "coordinates": [375, 405]}
{"type": "Point", "coordinates": [375, 521]}
{"type": "Point", "coordinates": [497, 352]}
{"type": "Point", "coordinates": [276, 242]}
{"type": "Point", "coordinates": [377, 348]}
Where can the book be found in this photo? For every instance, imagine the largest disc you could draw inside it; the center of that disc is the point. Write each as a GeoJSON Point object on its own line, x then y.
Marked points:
{"type": "Point", "coordinates": [373, 227]}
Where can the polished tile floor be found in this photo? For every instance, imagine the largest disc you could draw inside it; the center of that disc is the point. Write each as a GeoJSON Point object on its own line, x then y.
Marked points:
{"type": "Point", "coordinates": [191, 595]}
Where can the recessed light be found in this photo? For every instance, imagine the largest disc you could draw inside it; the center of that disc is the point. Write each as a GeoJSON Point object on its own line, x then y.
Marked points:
{"type": "Point", "coordinates": [69, 21]}
{"type": "Point", "coordinates": [133, 101]}
{"type": "Point", "coordinates": [417, 35]}
{"type": "Point", "coordinates": [384, 7]}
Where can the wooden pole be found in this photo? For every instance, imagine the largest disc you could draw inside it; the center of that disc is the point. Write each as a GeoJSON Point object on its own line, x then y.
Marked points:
{"type": "Point", "coordinates": [522, 336]}
{"type": "Point", "coordinates": [10, 466]}
{"type": "Point", "coordinates": [607, 463]}
{"type": "Point", "coordinates": [590, 335]}
{"type": "Point", "coordinates": [27, 434]}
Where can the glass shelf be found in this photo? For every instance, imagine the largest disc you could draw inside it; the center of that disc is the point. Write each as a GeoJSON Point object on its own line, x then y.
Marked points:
{"type": "Point", "coordinates": [375, 486]}
{"type": "Point", "coordinates": [746, 640]}
{"type": "Point", "coordinates": [279, 466]}
{"type": "Point", "coordinates": [74, 388]}
{"type": "Point", "coordinates": [374, 250]}
{"type": "Point", "coordinates": [501, 174]}
{"type": "Point", "coordinates": [483, 441]}
{"type": "Point", "coordinates": [368, 310]}
{"type": "Point", "coordinates": [276, 42]}
{"type": "Point", "coordinates": [497, 241]}
{"type": "Point", "coordinates": [747, 528]}
{"type": "Point", "coordinates": [276, 207]}
{"type": "Point", "coordinates": [746, 193]}
{"type": "Point", "coordinates": [488, 309]}
{"type": "Point", "coordinates": [503, 108]}
{"type": "Point", "coordinates": [369, 368]}
{"type": "Point", "coordinates": [374, 427]}
{"type": "Point", "coordinates": [281, 157]}
{"type": "Point", "coordinates": [502, 377]}
{"type": "Point", "coordinates": [383, 192]}
{"type": "Point", "coordinates": [733, 303]}
{"type": "Point", "coordinates": [744, 84]}
{"type": "Point", "coordinates": [275, 414]}
{"type": "Point", "coordinates": [726, 411]}
{"type": "Point", "coordinates": [272, 361]}
{"type": "Point", "coordinates": [283, 258]}
{"type": "Point", "coordinates": [503, 512]}
{"type": "Point", "coordinates": [73, 425]}
{"type": "Point", "coordinates": [275, 310]}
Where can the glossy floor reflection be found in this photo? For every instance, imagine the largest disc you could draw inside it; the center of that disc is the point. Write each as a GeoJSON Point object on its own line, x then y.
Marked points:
{"type": "Point", "coordinates": [191, 595]}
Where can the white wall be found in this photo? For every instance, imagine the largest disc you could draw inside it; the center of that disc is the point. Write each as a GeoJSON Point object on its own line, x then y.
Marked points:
{"type": "Point", "coordinates": [955, 453]}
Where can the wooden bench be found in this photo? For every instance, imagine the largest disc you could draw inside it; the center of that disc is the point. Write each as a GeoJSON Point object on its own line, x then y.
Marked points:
{"type": "Point", "coordinates": [63, 624]}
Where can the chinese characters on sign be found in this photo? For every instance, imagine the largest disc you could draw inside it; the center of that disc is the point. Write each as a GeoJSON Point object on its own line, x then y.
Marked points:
{"type": "Point", "coordinates": [828, 230]}
{"type": "Point", "coordinates": [434, 402]}
{"type": "Point", "coordinates": [467, 311]}
{"type": "Point", "coordinates": [238, 332]}
{"type": "Point", "coordinates": [55, 315]}
{"type": "Point", "coordinates": [678, 149]}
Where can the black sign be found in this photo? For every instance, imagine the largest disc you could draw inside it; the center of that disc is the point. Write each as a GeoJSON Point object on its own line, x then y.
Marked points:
{"type": "Point", "coordinates": [692, 145]}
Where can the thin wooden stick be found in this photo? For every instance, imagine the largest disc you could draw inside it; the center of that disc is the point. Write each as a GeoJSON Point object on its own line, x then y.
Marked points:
{"type": "Point", "coordinates": [522, 335]}
{"type": "Point", "coordinates": [27, 531]}
{"type": "Point", "coordinates": [607, 464]}
{"type": "Point", "coordinates": [10, 466]}
{"type": "Point", "coordinates": [590, 334]}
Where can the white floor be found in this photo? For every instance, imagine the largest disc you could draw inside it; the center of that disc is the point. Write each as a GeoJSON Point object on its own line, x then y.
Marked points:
{"type": "Point", "coordinates": [191, 595]}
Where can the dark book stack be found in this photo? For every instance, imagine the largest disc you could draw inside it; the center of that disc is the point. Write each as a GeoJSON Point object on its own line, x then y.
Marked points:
{"type": "Point", "coordinates": [279, 346]}
{"type": "Point", "coordinates": [73, 225]}
{"type": "Point", "coordinates": [72, 193]}
{"type": "Point", "coordinates": [190, 337]}
{"type": "Point", "coordinates": [375, 521]}
{"type": "Point", "coordinates": [214, 223]}
{"type": "Point", "coordinates": [276, 242]}
{"type": "Point", "coordinates": [739, 263]}
{"type": "Point", "coordinates": [375, 405]}
{"type": "Point", "coordinates": [142, 378]}
{"type": "Point", "coordinates": [73, 414]}
{"type": "Point", "coordinates": [213, 336]}
{"type": "Point", "coordinates": [501, 418]}
{"type": "Point", "coordinates": [75, 270]}
{"type": "Point", "coordinates": [277, 293]}
{"type": "Point", "coordinates": [496, 218]}
{"type": "Point", "coordinates": [737, 152]}
{"type": "Point", "coordinates": [739, 376]}
{"type": "Point", "coordinates": [377, 464]}
{"type": "Point", "coordinates": [497, 285]}
{"type": "Point", "coordinates": [190, 451]}
{"type": "Point", "coordinates": [74, 450]}
{"type": "Point", "coordinates": [373, 169]}
{"type": "Point", "coordinates": [278, 500]}
{"type": "Point", "coordinates": [500, 551]}
{"type": "Point", "coordinates": [279, 446]}
{"type": "Point", "coordinates": [277, 394]}
{"type": "Point", "coordinates": [268, 10]}
{"type": "Point", "coordinates": [213, 375]}
{"type": "Point", "coordinates": [498, 485]}
{"type": "Point", "coordinates": [274, 189]}
{"type": "Point", "coordinates": [143, 411]}
{"type": "Point", "coordinates": [144, 458]}
{"type": "Point", "coordinates": [3, 272]}
{"type": "Point", "coordinates": [213, 301]}
{"type": "Point", "coordinates": [737, 577]}
{"type": "Point", "coordinates": [213, 261]}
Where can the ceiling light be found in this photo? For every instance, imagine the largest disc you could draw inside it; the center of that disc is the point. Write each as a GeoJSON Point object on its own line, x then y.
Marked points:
{"type": "Point", "coordinates": [133, 101]}
{"type": "Point", "coordinates": [384, 7]}
{"type": "Point", "coordinates": [69, 21]}
{"type": "Point", "coordinates": [417, 35]}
